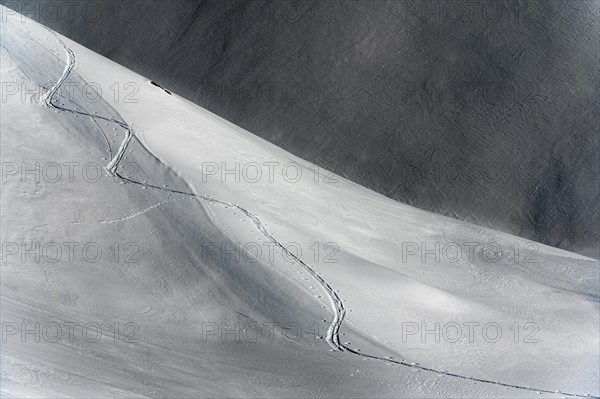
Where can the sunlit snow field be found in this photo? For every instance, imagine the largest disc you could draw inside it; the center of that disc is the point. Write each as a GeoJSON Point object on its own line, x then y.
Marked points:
{"type": "Point", "coordinates": [232, 268]}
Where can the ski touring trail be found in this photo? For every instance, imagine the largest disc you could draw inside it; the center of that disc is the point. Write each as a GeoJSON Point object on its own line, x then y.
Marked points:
{"type": "Point", "coordinates": [332, 337]}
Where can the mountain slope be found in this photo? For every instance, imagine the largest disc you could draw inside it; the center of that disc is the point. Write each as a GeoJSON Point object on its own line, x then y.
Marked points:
{"type": "Point", "coordinates": [219, 251]}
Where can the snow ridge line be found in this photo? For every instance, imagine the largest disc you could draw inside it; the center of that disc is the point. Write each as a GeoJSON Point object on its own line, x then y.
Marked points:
{"type": "Point", "coordinates": [338, 307]}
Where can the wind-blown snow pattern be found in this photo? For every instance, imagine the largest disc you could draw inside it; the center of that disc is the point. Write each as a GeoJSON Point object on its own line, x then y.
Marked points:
{"type": "Point", "coordinates": [183, 191]}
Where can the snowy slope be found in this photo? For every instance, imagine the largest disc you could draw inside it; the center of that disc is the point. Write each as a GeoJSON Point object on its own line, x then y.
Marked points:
{"type": "Point", "coordinates": [353, 277]}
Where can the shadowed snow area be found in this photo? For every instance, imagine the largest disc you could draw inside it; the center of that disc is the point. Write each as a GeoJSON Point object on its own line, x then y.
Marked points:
{"type": "Point", "coordinates": [232, 268]}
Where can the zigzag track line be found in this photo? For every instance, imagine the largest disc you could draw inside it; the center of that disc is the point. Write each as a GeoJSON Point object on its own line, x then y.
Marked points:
{"type": "Point", "coordinates": [337, 305]}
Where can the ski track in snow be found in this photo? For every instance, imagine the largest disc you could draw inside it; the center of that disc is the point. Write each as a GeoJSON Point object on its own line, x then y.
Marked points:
{"type": "Point", "coordinates": [338, 307]}
{"type": "Point", "coordinates": [140, 212]}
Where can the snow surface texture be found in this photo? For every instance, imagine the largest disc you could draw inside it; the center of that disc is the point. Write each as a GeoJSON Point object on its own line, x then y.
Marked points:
{"type": "Point", "coordinates": [485, 111]}
{"type": "Point", "coordinates": [181, 302]}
